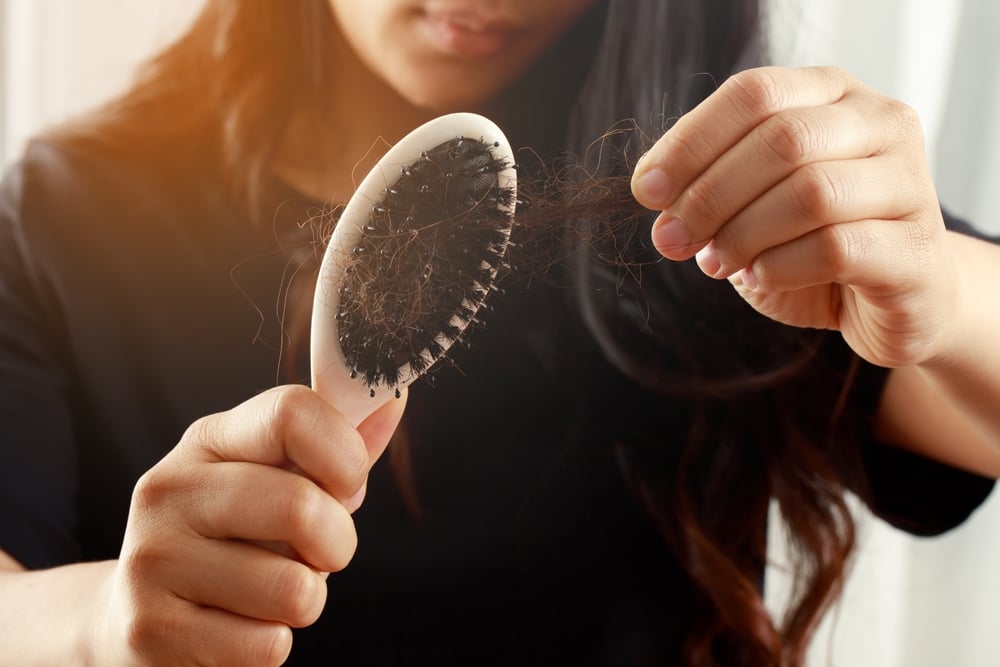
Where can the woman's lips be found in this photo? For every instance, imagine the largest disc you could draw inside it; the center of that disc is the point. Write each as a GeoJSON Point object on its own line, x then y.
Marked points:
{"type": "Point", "coordinates": [468, 34]}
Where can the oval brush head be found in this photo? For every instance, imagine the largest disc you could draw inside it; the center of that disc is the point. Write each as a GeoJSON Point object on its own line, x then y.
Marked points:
{"type": "Point", "coordinates": [411, 259]}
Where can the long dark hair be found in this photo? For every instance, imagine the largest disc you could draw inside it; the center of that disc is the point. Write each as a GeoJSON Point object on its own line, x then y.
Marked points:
{"type": "Point", "coordinates": [216, 103]}
{"type": "Point", "coordinates": [767, 417]}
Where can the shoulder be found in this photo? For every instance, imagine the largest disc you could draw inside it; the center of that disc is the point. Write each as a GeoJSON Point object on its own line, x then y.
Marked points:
{"type": "Point", "coordinates": [77, 218]}
{"type": "Point", "coordinates": [51, 187]}
{"type": "Point", "coordinates": [65, 193]}
{"type": "Point", "coordinates": [50, 174]}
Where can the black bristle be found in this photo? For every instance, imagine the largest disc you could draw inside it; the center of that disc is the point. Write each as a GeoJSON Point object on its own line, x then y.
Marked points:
{"type": "Point", "coordinates": [429, 257]}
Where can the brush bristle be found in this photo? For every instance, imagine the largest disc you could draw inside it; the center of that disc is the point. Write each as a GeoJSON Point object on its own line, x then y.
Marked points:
{"type": "Point", "coordinates": [428, 258]}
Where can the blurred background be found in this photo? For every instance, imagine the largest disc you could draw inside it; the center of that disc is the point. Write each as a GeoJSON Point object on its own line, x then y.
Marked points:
{"type": "Point", "coordinates": [910, 602]}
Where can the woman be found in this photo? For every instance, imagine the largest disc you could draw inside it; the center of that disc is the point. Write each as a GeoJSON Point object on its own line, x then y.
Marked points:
{"type": "Point", "coordinates": [591, 485]}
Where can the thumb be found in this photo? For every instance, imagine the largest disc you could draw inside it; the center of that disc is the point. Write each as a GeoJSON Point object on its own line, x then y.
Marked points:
{"type": "Point", "coordinates": [378, 427]}
{"type": "Point", "coordinates": [377, 430]}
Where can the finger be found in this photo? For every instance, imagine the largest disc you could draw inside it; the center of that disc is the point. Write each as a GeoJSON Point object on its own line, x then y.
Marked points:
{"type": "Point", "coordinates": [287, 426]}
{"type": "Point", "coordinates": [254, 502]}
{"type": "Point", "coordinates": [744, 101]}
{"type": "Point", "coordinates": [247, 580]}
{"type": "Point", "coordinates": [377, 428]}
{"type": "Point", "coordinates": [817, 194]}
{"type": "Point", "coordinates": [770, 153]}
{"type": "Point", "coordinates": [179, 632]}
{"type": "Point", "coordinates": [877, 256]}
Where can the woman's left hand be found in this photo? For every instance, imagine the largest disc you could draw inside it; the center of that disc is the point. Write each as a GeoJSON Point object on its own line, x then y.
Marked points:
{"type": "Point", "coordinates": [811, 193]}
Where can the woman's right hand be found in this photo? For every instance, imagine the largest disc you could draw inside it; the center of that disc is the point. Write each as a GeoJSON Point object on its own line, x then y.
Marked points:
{"type": "Point", "coordinates": [230, 536]}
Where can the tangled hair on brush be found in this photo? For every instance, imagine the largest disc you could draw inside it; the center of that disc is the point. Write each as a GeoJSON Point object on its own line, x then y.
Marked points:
{"type": "Point", "coordinates": [767, 419]}
{"type": "Point", "coordinates": [426, 261]}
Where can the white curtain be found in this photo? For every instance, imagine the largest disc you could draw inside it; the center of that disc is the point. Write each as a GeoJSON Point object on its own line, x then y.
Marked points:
{"type": "Point", "coordinates": [917, 602]}
{"type": "Point", "coordinates": [59, 57]}
{"type": "Point", "coordinates": [910, 602]}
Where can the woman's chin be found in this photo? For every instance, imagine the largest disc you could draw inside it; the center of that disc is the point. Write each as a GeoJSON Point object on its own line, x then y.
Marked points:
{"type": "Point", "coordinates": [441, 100]}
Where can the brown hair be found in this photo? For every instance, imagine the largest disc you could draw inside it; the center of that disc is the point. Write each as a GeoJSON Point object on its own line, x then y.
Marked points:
{"type": "Point", "coordinates": [219, 99]}
{"type": "Point", "coordinates": [768, 416]}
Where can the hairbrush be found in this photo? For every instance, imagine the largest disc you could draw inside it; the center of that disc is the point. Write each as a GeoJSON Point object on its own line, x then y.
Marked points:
{"type": "Point", "coordinates": [413, 257]}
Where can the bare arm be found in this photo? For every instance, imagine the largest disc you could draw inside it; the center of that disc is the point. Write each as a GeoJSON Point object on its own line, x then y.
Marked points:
{"type": "Point", "coordinates": [47, 616]}
{"type": "Point", "coordinates": [949, 407]}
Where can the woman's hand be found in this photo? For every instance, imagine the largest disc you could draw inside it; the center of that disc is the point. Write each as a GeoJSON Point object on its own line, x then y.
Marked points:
{"type": "Point", "coordinates": [812, 195]}
{"type": "Point", "coordinates": [201, 578]}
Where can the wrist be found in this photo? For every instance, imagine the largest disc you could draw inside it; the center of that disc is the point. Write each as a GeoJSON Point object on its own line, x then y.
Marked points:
{"type": "Point", "coordinates": [970, 318]}
{"type": "Point", "coordinates": [96, 636]}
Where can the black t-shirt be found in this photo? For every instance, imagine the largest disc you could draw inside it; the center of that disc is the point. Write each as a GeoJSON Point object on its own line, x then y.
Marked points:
{"type": "Point", "coordinates": [130, 305]}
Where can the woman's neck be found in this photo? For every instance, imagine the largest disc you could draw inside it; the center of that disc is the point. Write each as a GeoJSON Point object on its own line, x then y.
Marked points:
{"type": "Point", "coordinates": [328, 151]}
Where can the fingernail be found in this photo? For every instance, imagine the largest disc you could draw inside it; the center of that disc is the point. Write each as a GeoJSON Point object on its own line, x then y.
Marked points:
{"type": "Point", "coordinates": [670, 235]}
{"type": "Point", "coordinates": [749, 281]}
{"type": "Point", "coordinates": [357, 499]}
{"type": "Point", "coordinates": [708, 260]}
{"type": "Point", "coordinates": [653, 189]}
